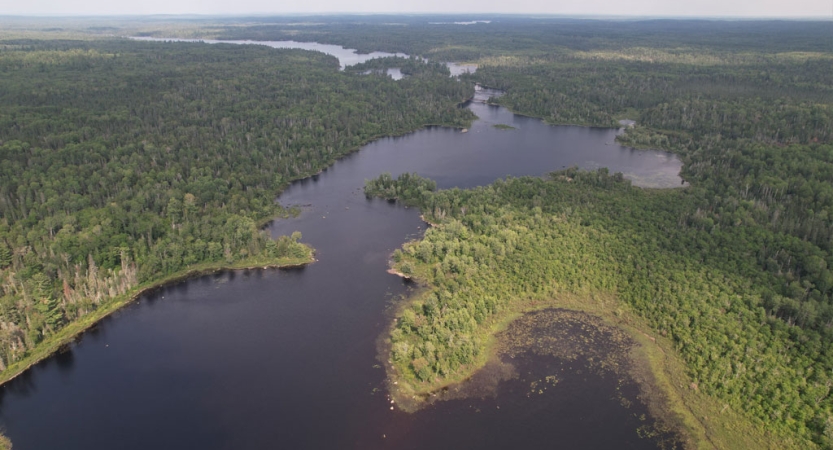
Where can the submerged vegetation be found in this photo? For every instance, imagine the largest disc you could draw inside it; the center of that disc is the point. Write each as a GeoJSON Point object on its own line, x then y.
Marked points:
{"type": "Point", "coordinates": [585, 344]}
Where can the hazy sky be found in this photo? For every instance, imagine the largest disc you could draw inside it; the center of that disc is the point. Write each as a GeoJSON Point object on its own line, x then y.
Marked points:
{"type": "Point", "coordinates": [746, 8]}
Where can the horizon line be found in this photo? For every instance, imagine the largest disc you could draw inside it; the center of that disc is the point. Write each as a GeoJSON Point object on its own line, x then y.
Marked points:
{"type": "Point", "coordinates": [469, 14]}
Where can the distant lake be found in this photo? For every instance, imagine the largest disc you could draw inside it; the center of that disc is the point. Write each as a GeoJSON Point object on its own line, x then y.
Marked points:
{"type": "Point", "coordinates": [262, 359]}
{"type": "Point", "coordinates": [346, 56]}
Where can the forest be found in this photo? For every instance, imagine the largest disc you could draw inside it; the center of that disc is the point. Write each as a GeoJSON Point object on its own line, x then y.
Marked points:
{"type": "Point", "coordinates": [518, 243]}
{"type": "Point", "coordinates": [127, 162]}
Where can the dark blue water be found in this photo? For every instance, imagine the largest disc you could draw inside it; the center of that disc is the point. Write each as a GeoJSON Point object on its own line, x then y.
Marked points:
{"type": "Point", "coordinates": [268, 359]}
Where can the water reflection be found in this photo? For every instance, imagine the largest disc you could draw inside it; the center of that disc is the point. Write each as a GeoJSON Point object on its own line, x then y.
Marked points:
{"type": "Point", "coordinates": [65, 359]}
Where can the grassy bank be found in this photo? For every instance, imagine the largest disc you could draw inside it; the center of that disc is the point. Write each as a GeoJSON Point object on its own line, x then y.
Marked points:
{"type": "Point", "coordinates": [69, 333]}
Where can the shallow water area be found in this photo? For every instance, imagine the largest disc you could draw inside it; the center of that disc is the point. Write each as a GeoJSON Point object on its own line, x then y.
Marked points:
{"type": "Point", "coordinates": [287, 358]}
{"type": "Point", "coordinates": [561, 377]}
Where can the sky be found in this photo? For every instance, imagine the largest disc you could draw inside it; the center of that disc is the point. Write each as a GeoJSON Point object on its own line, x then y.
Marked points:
{"type": "Point", "coordinates": [701, 8]}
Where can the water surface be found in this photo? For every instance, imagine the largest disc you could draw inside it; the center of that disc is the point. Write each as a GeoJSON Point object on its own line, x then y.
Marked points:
{"type": "Point", "coordinates": [459, 69]}
{"type": "Point", "coordinates": [346, 56]}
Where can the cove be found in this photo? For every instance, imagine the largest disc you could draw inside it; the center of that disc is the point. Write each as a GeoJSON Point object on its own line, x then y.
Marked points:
{"type": "Point", "coordinates": [288, 358]}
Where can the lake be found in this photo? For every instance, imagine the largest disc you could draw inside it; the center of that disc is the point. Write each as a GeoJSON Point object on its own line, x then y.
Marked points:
{"type": "Point", "coordinates": [288, 358]}
{"type": "Point", "coordinates": [346, 56]}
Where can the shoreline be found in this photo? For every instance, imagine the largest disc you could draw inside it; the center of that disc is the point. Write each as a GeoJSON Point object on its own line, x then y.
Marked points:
{"type": "Point", "coordinates": [431, 224]}
{"type": "Point", "coordinates": [543, 119]}
{"type": "Point", "coordinates": [72, 331]}
{"type": "Point", "coordinates": [399, 274]}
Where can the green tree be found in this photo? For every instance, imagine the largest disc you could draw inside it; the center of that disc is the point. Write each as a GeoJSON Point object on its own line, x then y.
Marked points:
{"type": "Point", "coordinates": [5, 256]}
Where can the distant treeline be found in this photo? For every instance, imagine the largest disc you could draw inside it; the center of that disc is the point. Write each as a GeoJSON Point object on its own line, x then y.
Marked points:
{"type": "Point", "coordinates": [437, 38]}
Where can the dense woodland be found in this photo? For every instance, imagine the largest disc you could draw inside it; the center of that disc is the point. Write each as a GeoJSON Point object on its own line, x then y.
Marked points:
{"type": "Point", "coordinates": [755, 137]}
{"type": "Point", "coordinates": [502, 248]}
{"type": "Point", "coordinates": [757, 153]}
{"type": "Point", "coordinates": [124, 162]}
